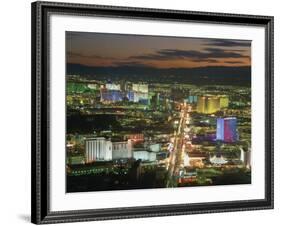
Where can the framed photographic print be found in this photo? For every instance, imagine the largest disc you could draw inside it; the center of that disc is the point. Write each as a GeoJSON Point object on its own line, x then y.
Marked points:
{"type": "Point", "coordinates": [149, 112]}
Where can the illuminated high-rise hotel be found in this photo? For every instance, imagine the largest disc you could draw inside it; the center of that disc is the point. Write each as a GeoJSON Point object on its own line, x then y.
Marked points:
{"type": "Point", "coordinates": [142, 88]}
{"type": "Point", "coordinates": [101, 149]}
{"type": "Point", "coordinates": [192, 99]}
{"type": "Point", "coordinates": [110, 96]}
{"type": "Point", "coordinates": [245, 157]}
{"type": "Point", "coordinates": [201, 104]}
{"type": "Point", "coordinates": [112, 86]}
{"type": "Point", "coordinates": [140, 93]}
{"type": "Point", "coordinates": [98, 149]}
{"type": "Point", "coordinates": [227, 129]}
{"type": "Point", "coordinates": [224, 101]}
{"type": "Point", "coordinates": [208, 104]}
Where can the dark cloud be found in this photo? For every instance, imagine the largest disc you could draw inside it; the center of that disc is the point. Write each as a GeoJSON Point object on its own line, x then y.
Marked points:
{"type": "Point", "coordinates": [206, 54]}
{"type": "Point", "coordinates": [233, 62]}
{"type": "Point", "coordinates": [129, 64]}
{"type": "Point", "coordinates": [220, 53]}
{"type": "Point", "coordinates": [227, 43]}
{"type": "Point", "coordinates": [74, 54]}
{"type": "Point", "coordinates": [204, 60]}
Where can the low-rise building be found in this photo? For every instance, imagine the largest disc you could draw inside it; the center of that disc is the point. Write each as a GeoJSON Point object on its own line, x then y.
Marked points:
{"type": "Point", "coordinates": [144, 155]}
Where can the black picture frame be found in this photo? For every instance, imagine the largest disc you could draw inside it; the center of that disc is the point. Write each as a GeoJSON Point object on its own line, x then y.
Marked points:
{"type": "Point", "coordinates": [40, 212]}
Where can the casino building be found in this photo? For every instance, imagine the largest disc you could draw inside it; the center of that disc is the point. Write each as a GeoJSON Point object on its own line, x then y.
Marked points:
{"type": "Point", "coordinates": [208, 104]}
{"type": "Point", "coordinates": [227, 129]}
{"type": "Point", "coordinates": [98, 149]}
{"type": "Point", "coordinates": [101, 149]}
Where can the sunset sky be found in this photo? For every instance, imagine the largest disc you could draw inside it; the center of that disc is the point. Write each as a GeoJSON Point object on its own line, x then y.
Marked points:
{"type": "Point", "coordinates": [99, 49]}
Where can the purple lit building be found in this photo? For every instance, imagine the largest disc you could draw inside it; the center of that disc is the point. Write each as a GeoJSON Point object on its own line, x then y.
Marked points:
{"type": "Point", "coordinates": [111, 95]}
{"type": "Point", "coordinates": [220, 129]}
{"type": "Point", "coordinates": [227, 129]}
{"type": "Point", "coordinates": [130, 96]}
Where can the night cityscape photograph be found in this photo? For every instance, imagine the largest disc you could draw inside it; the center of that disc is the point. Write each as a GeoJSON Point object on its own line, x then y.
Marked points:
{"type": "Point", "coordinates": [146, 112]}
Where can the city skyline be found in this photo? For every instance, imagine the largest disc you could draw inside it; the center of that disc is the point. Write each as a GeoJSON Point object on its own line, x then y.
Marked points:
{"type": "Point", "coordinates": [156, 112]}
